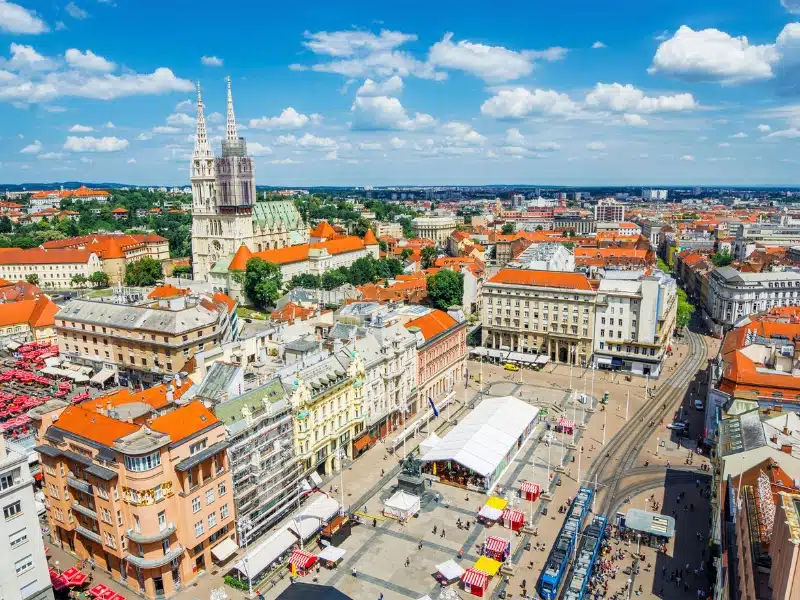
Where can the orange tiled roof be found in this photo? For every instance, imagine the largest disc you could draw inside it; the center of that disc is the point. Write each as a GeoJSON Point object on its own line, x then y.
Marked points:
{"type": "Point", "coordinates": [299, 253]}
{"type": "Point", "coordinates": [185, 421]}
{"type": "Point", "coordinates": [167, 291]}
{"type": "Point", "coordinates": [574, 281]}
{"type": "Point", "coordinates": [36, 312]}
{"type": "Point", "coordinates": [155, 396]}
{"type": "Point", "coordinates": [239, 262]}
{"type": "Point", "coordinates": [119, 211]}
{"type": "Point", "coordinates": [434, 323]}
{"type": "Point", "coordinates": [292, 312]}
{"type": "Point", "coordinates": [323, 230]}
{"type": "Point", "coordinates": [43, 256]}
{"type": "Point", "coordinates": [229, 302]}
{"type": "Point", "coordinates": [369, 238]}
{"type": "Point", "coordinates": [107, 246]}
{"type": "Point", "coordinates": [94, 426]}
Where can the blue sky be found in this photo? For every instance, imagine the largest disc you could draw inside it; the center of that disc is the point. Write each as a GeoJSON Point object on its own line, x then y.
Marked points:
{"type": "Point", "coordinates": [577, 92]}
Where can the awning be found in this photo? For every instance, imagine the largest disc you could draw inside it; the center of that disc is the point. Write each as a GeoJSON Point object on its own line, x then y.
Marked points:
{"type": "Point", "coordinates": [331, 554]}
{"type": "Point", "coordinates": [496, 545]}
{"type": "Point", "coordinates": [603, 360]}
{"type": "Point", "coordinates": [492, 353]}
{"type": "Point", "coordinates": [487, 512]}
{"type": "Point", "coordinates": [566, 423]}
{"type": "Point", "coordinates": [102, 376]}
{"type": "Point", "coordinates": [513, 516]}
{"type": "Point", "coordinates": [497, 502]}
{"type": "Point", "coordinates": [479, 351]}
{"type": "Point", "coordinates": [473, 577]}
{"type": "Point", "coordinates": [266, 552]}
{"type": "Point", "coordinates": [224, 550]}
{"type": "Point", "coordinates": [302, 559]}
{"type": "Point", "coordinates": [487, 565]}
{"type": "Point", "coordinates": [362, 442]}
{"type": "Point", "coordinates": [530, 487]}
{"type": "Point", "coordinates": [542, 359]}
{"type": "Point", "coordinates": [617, 362]}
{"type": "Point", "coordinates": [516, 357]}
{"type": "Point", "coordinates": [13, 346]}
{"type": "Point", "coordinates": [450, 570]}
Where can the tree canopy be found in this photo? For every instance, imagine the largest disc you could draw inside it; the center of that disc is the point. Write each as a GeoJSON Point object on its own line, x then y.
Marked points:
{"type": "Point", "coordinates": [428, 257]}
{"type": "Point", "coordinates": [364, 270]}
{"type": "Point", "coordinates": [263, 282]}
{"type": "Point", "coordinates": [722, 259]}
{"type": "Point", "coordinates": [508, 228]}
{"type": "Point", "coordinates": [685, 310]}
{"type": "Point", "coordinates": [446, 289]}
{"type": "Point", "coordinates": [143, 272]}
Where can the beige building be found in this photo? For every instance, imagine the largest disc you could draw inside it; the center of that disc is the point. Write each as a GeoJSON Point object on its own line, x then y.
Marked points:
{"type": "Point", "coordinates": [436, 228]}
{"type": "Point", "coordinates": [142, 344]}
{"type": "Point", "coordinates": [54, 268]}
{"type": "Point", "coordinates": [540, 312]}
{"type": "Point", "coordinates": [144, 492]}
{"type": "Point", "coordinates": [383, 228]}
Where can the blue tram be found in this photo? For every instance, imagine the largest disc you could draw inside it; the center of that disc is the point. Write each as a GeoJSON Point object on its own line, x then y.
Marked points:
{"type": "Point", "coordinates": [585, 559]}
{"type": "Point", "coordinates": [556, 566]}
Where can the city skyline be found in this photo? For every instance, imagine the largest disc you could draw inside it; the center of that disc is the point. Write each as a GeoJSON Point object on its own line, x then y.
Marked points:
{"type": "Point", "coordinates": [570, 95]}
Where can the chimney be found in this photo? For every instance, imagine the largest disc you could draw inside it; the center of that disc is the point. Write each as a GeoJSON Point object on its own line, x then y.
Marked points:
{"type": "Point", "coordinates": [178, 381]}
{"type": "Point", "coordinates": [170, 395]}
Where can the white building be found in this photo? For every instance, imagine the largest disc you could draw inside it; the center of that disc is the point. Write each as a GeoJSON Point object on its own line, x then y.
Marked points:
{"type": "Point", "coordinates": [634, 320]}
{"type": "Point", "coordinates": [750, 236]}
{"type": "Point", "coordinates": [54, 267]}
{"type": "Point", "coordinates": [546, 257]}
{"type": "Point", "coordinates": [654, 195]}
{"type": "Point", "coordinates": [436, 228]}
{"type": "Point", "coordinates": [619, 228]}
{"type": "Point", "coordinates": [733, 295]}
{"type": "Point", "coordinates": [389, 228]}
{"type": "Point", "coordinates": [608, 209]}
{"type": "Point", "coordinates": [24, 575]}
{"type": "Point", "coordinates": [44, 200]}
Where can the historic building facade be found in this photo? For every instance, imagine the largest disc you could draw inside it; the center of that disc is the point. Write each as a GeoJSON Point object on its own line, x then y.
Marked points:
{"type": "Point", "coordinates": [225, 210]}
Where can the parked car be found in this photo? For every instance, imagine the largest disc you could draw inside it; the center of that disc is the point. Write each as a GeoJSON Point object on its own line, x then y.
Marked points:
{"type": "Point", "coordinates": [677, 426]}
{"type": "Point", "coordinates": [698, 404]}
{"type": "Point", "coordinates": [511, 367]}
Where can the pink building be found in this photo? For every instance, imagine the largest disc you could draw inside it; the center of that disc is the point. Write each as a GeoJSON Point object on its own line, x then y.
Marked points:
{"type": "Point", "coordinates": [441, 355]}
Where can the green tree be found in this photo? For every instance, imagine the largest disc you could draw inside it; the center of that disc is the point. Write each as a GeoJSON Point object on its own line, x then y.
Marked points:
{"type": "Point", "coordinates": [685, 310]}
{"type": "Point", "coordinates": [182, 270]}
{"type": "Point", "coordinates": [539, 228]}
{"type": "Point", "coordinates": [508, 228]}
{"type": "Point", "coordinates": [145, 271]}
{"type": "Point", "coordinates": [662, 265]}
{"type": "Point", "coordinates": [363, 271]}
{"type": "Point", "coordinates": [446, 289]}
{"type": "Point", "coordinates": [33, 279]}
{"type": "Point", "coordinates": [383, 246]}
{"type": "Point", "coordinates": [429, 256]}
{"type": "Point", "coordinates": [387, 268]}
{"type": "Point", "coordinates": [79, 280]}
{"type": "Point", "coordinates": [405, 254]}
{"type": "Point", "coordinates": [99, 279]}
{"type": "Point", "coordinates": [722, 259]}
{"type": "Point", "coordinates": [262, 282]}
{"type": "Point", "coordinates": [304, 280]}
{"type": "Point", "coordinates": [568, 245]}
{"type": "Point", "coordinates": [361, 227]}
{"type": "Point", "coordinates": [6, 226]}
{"type": "Point", "coordinates": [335, 278]}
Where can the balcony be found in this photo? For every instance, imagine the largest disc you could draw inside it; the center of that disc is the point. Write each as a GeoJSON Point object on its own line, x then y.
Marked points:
{"type": "Point", "coordinates": [140, 538]}
{"type": "Point", "coordinates": [154, 563]}
{"type": "Point", "coordinates": [87, 512]}
{"type": "Point", "coordinates": [89, 534]}
{"type": "Point", "coordinates": [79, 484]}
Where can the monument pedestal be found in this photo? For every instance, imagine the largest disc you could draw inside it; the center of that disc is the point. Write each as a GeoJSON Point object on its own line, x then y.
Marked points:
{"type": "Point", "coordinates": [413, 484]}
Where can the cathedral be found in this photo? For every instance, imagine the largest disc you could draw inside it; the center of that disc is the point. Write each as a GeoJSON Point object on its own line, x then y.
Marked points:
{"type": "Point", "coordinates": [226, 213]}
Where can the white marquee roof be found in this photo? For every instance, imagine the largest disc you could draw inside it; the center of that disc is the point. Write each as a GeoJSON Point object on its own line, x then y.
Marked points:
{"type": "Point", "coordinates": [481, 440]}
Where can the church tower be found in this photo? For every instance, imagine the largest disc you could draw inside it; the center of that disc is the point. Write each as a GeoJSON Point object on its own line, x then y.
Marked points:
{"type": "Point", "coordinates": [204, 194]}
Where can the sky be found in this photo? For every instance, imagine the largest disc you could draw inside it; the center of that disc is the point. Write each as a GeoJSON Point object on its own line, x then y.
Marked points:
{"type": "Point", "coordinates": [576, 92]}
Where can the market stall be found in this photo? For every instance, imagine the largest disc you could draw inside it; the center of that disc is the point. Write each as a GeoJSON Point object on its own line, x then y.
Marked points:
{"type": "Point", "coordinates": [401, 506]}
{"type": "Point", "coordinates": [337, 531]}
{"type": "Point", "coordinates": [487, 565]}
{"type": "Point", "coordinates": [475, 582]}
{"type": "Point", "coordinates": [513, 519]}
{"type": "Point", "coordinates": [448, 572]}
{"type": "Point", "coordinates": [492, 510]}
{"type": "Point", "coordinates": [530, 491]}
{"type": "Point", "coordinates": [331, 555]}
{"type": "Point", "coordinates": [652, 529]}
{"type": "Point", "coordinates": [566, 426]}
{"type": "Point", "coordinates": [301, 561]}
{"type": "Point", "coordinates": [496, 548]}
{"type": "Point", "coordinates": [479, 449]}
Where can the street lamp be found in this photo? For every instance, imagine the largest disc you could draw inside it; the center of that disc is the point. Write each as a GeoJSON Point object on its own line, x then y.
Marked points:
{"type": "Point", "coordinates": [245, 525]}
{"type": "Point", "coordinates": [658, 441]}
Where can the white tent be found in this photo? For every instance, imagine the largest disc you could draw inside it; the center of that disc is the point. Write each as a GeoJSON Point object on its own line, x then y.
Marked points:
{"type": "Point", "coordinates": [402, 505]}
{"type": "Point", "coordinates": [314, 516]}
{"type": "Point", "coordinates": [450, 570]}
{"type": "Point", "coordinates": [428, 443]}
{"type": "Point", "coordinates": [331, 554]}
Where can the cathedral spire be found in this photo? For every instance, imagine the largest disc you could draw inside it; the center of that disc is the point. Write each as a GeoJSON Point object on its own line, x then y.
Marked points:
{"type": "Point", "coordinates": [231, 135]}
{"type": "Point", "coordinates": [201, 147]}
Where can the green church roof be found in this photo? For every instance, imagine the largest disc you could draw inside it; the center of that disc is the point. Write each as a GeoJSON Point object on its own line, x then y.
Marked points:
{"type": "Point", "coordinates": [276, 213]}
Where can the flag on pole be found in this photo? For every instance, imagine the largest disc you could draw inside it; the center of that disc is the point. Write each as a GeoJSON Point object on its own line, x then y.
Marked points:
{"type": "Point", "coordinates": [433, 407]}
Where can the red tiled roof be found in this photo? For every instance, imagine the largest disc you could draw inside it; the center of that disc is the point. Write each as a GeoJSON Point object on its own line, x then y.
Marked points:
{"type": "Point", "coordinates": [94, 426]}
{"type": "Point", "coordinates": [434, 323]}
{"type": "Point", "coordinates": [36, 312]}
{"type": "Point", "coordinates": [369, 238]}
{"type": "Point", "coordinates": [556, 279]}
{"type": "Point", "coordinates": [323, 230]}
{"type": "Point", "coordinates": [229, 302]}
{"type": "Point", "coordinates": [167, 291]}
{"type": "Point", "coordinates": [43, 256]}
{"type": "Point", "coordinates": [185, 421]}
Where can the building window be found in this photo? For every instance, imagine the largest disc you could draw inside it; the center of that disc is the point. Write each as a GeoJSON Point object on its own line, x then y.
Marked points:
{"type": "Point", "coordinates": [197, 447]}
{"type": "Point", "coordinates": [198, 529]}
{"type": "Point", "coordinates": [6, 481]}
{"type": "Point", "coordinates": [162, 520]}
{"type": "Point", "coordinates": [24, 564]}
{"type": "Point", "coordinates": [17, 538]}
{"type": "Point", "coordinates": [223, 512]}
{"type": "Point", "coordinates": [12, 510]}
{"type": "Point", "coordinates": [143, 463]}
{"type": "Point", "coordinates": [221, 490]}
{"type": "Point", "coordinates": [196, 504]}
{"type": "Point", "coordinates": [212, 520]}
{"type": "Point", "coordinates": [209, 496]}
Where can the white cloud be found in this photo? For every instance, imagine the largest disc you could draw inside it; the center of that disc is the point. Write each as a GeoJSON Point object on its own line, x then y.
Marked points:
{"type": "Point", "coordinates": [75, 11]}
{"type": "Point", "coordinates": [398, 143]}
{"type": "Point", "coordinates": [520, 102]}
{"type": "Point", "coordinates": [514, 150]}
{"type": "Point", "coordinates": [490, 63]}
{"type": "Point", "coordinates": [212, 61]}
{"type": "Point", "coordinates": [723, 145]}
{"type": "Point", "coordinates": [382, 112]}
{"type": "Point", "coordinates": [514, 137]}
{"type": "Point", "coordinates": [257, 149]}
{"type": "Point", "coordinates": [365, 54]}
{"type": "Point", "coordinates": [131, 161]}
{"type": "Point", "coordinates": [312, 141]}
{"type": "Point", "coordinates": [547, 146]}
{"type": "Point", "coordinates": [54, 109]}
{"type": "Point", "coordinates": [739, 135]}
{"type": "Point", "coordinates": [791, 133]}
{"type": "Point", "coordinates": [634, 120]}
{"type": "Point", "coordinates": [60, 26]}
{"type": "Point", "coordinates": [165, 129]}
{"type": "Point", "coordinates": [180, 120]}
{"type": "Point", "coordinates": [284, 161]}
{"type": "Point", "coordinates": [370, 146]}
{"type": "Point", "coordinates": [33, 148]}
{"type": "Point", "coordinates": [687, 158]}
{"type": "Point", "coordinates": [595, 146]}
{"type": "Point", "coordinates": [598, 45]}
{"type": "Point", "coordinates": [390, 87]}
{"type": "Point", "coordinates": [792, 6]}
{"type": "Point", "coordinates": [26, 58]}
{"type": "Point", "coordinates": [51, 156]}
{"type": "Point", "coordinates": [459, 133]}
{"type": "Point", "coordinates": [288, 119]}
{"type": "Point", "coordinates": [80, 129]}
{"type": "Point", "coordinates": [86, 160]}
{"type": "Point", "coordinates": [88, 60]}
{"type": "Point", "coordinates": [215, 117]}
{"type": "Point", "coordinates": [93, 144]}
{"type": "Point", "coordinates": [109, 125]}
{"type": "Point", "coordinates": [764, 128]}
{"type": "Point", "coordinates": [16, 19]}
{"type": "Point", "coordinates": [184, 105]}
{"type": "Point", "coordinates": [627, 98]}
{"type": "Point", "coordinates": [144, 136]}
{"type": "Point", "coordinates": [713, 55]}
